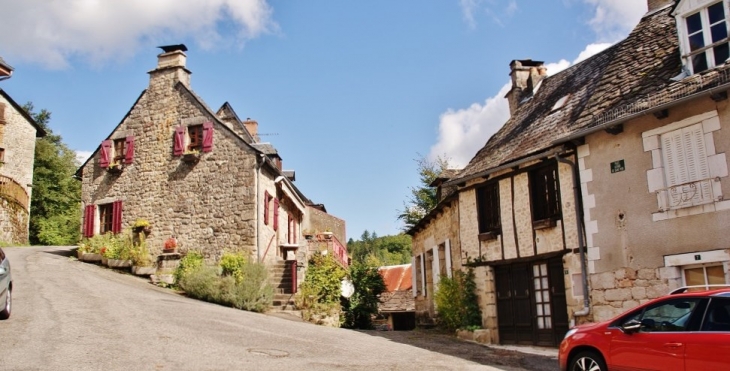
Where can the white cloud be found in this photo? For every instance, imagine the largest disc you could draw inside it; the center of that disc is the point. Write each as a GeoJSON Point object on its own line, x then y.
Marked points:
{"type": "Point", "coordinates": [492, 8]}
{"type": "Point", "coordinates": [50, 33]}
{"type": "Point", "coordinates": [82, 156]}
{"type": "Point", "coordinates": [613, 19]}
{"type": "Point", "coordinates": [463, 132]}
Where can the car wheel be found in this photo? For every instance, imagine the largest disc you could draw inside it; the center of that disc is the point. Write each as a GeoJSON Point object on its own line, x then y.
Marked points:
{"type": "Point", "coordinates": [5, 313]}
{"type": "Point", "coordinates": [587, 361]}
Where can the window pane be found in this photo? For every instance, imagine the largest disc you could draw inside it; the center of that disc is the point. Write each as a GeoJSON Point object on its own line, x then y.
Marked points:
{"type": "Point", "coordinates": [540, 323]}
{"type": "Point", "coordinates": [548, 322]}
{"type": "Point", "coordinates": [694, 277]}
{"type": "Point", "coordinates": [699, 63]}
{"type": "Point", "coordinates": [539, 310]}
{"type": "Point", "coordinates": [716, 12]}
{"type": "Point", "coordinates": [722, 53]}
{"type": "Point", "coordinates": [715, 275]}
{"type": "Point", "coordinates": [718, 32]}
{"type": "Point", "coordinates": [547, 310]}
{"type": "Point", "coordinates": [536, 270]}
{"type": "Point", "coordinates": [694, 23]}
{"type": "Point", "coordinates": [545, 282]}
{"type": "Point", "coordinates": [696, 41]}
{"type": "Point", "coordinates": [537, 283]}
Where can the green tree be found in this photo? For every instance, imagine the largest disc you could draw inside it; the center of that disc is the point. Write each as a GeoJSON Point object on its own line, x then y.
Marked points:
{"type": "Point", "coordinates": [357, 311]}
{"type": "Point", "coordinates": [457, 301]}
{"type": "Point", "coordinates": [379, 251]}
{"type": "Point", "coordinates": [423, 198]}
{"type": "Point", "coordinates": [55, 207]}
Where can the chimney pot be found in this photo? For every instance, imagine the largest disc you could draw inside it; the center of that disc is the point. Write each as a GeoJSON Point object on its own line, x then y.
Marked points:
{"type": "Point", "coordinates": [526, 74]}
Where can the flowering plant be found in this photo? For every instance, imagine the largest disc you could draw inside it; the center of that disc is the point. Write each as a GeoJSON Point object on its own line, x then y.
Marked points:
{"type": "Point", "coordinates": [170, 243]}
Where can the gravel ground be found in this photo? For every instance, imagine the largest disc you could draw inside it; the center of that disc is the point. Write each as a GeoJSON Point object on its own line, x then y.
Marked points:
{"type": "Point", "coordinates": [446, 343]}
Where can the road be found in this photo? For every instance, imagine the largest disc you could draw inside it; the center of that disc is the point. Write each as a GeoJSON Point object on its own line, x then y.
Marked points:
{"type": "Point", "coordinates": [69, 315]}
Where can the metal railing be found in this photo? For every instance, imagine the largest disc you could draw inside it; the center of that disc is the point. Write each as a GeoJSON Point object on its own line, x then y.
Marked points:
{"type": "Point", "coordinates": [13, 190]}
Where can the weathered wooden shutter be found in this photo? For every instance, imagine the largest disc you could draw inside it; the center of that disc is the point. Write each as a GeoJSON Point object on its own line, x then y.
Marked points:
{"type": "Point", "coordinates": [267, 198]}
{"type": "Point", "coordinates": [685, 161]}
{"type": "Point", "coordinates": [448, 258]}
{"type": "Point", "coordinates": [106, 154]}
{"type": "Point", "coordinates": [117, 217]}
{"type": "Point", "coordinates": [276, 214]}
{"type": "Point", "coordinates": [89, 220]}
{"type": "Point", "coordinates": [129, 147]}
{"type": "Point", "coordinates": [414, 281]}
{"type": "Point", "coordinates": [207, 136]}
{"type": "Point", "coordinates": [435, 268]}
{"type": "Point", "coordinates": [423, 274]}
{"type": "Point", "coordinates": [179, 141]}
{"type": "Point", "coordinates": [289, 225]}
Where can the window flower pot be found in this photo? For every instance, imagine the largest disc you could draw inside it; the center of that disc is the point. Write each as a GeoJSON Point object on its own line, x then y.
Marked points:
{"type": "Point", "coordinates": [115, 170]}
{"type": "Point", "coordinates": [145, 230]}
{"type": "Point", "coordinates": [191, 158]}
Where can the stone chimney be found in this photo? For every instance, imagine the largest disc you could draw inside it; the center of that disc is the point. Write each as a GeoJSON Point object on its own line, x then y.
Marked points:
{"type": "Point", "coordinates": [525, 74]}
{"type": "Point", "coordinates": [253, 128]}
{"type": "Point", "coordinates": [170, 67]}
{"type": "Point", "coordinates": [653, 5]}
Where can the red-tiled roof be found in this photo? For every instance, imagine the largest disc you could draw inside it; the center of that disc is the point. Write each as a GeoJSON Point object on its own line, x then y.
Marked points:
{"type": "Point", "coordinates": [396, 277]}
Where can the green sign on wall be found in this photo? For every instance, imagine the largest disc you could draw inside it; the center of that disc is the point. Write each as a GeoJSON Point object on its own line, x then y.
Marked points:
{"type": "Point", "coordinates": [617, 166]}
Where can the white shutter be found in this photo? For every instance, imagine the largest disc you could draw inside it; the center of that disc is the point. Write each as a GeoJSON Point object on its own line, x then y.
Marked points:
{"type": "Point", "coordinates": [423, 274]}
{"type": "Point", "coordinates": [435, 269]}
{"type": "Point", "coordinates": [448, 258]}
{"type": "Point", "coordinates": [414, 286]}
{"type": "Point", "coordinates": [685, 161]}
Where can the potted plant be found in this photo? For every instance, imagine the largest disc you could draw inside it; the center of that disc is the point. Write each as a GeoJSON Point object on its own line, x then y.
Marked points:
{"type": "Point", "coordinates": [119, 252]}
{"type": "Point", "coordinates": [88, 251]}
{"type": "Point", "coordinates": [170, 245]}
{"type": "Point", "coordinates": [191, 156]}
{"type": "Point", "coordinates": [142, 225]}
{"type": "Point", "coordinates": [142, 262]}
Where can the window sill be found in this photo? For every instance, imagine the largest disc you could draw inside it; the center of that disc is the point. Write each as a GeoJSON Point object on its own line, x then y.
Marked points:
{"type": "Point", "coordinates": [544, 223]}
{"type": "Point", "coordinates": [489, 236]}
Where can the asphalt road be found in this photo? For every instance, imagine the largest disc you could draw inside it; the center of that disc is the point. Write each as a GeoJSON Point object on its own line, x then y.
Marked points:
{"type": "Point", "coordinates": [69, 315]}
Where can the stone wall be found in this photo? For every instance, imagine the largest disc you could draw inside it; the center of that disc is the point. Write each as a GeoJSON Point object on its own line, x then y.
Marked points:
{"type": "Point", "coordinates": [18, 139]}
{"type": "Point", "coordinates": [615, 292]}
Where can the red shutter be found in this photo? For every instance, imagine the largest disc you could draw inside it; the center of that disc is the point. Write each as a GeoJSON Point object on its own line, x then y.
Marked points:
{"type": "Point", "coordinates": [207, 136]}
{"type": "Point", "coordinates": [89, 220]}
{"type": "Point", "coordinates": [267, 198]}
{"type": "Point", "coordinates": [276, 214]}
{"type": "Point", "coordinates": [129, 156]}
{"type": "Point", "coordinates": [117, 217]}
{"type": "Point", "coordinates": [179, 142]}
{"type": "Point", "coordinates": [106, 153]}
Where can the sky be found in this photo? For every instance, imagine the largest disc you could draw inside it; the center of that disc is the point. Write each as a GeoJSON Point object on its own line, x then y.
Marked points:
{"type": "Point", "coordinates": [351, 93]}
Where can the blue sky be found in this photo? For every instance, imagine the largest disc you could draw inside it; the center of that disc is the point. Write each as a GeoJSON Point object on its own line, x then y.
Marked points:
{"type": "Point", "coordinates": [349, 92]}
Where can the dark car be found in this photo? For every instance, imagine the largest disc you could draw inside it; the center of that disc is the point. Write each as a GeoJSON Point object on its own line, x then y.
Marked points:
{"type": "Point", "coordinates": [6, 286]}
{"type": "Point", "coordinates": [680, 331]}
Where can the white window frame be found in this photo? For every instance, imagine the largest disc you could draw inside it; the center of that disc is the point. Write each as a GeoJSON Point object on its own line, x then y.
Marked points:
{"type": "Point", "coordinates": [699, 189]}
{"type": "Point", "coordinates": [690, 7]}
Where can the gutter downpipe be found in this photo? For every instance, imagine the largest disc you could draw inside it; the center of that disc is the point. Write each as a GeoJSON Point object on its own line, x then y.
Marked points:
{"type": "Point", "coordinates": [581, 243]}
{"type": "Point", "coordinates": [258, 191]}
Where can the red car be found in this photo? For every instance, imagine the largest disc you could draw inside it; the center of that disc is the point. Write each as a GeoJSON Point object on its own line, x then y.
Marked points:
{"type": "Point", "coordinates": [680, 331]}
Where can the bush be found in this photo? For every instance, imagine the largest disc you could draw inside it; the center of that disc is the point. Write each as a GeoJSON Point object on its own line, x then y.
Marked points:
{"type": "Point", "coordinates": [252, 293]}
{"type": "Point", "coordinates": [363, 304]}
{"type": "Point", "coordinates": [319, 294]}
{"type": "Point", "coordinates": [190, 262]}
{"type": "Point", "coordinates": [233, 264]}
{"type": "Point", "coordinates": [457, 302]}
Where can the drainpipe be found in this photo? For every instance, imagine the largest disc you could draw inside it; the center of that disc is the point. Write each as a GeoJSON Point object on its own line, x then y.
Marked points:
{"type": "Point", "coordinates": [258, 191]}
{"type": "Point", "coordinates": [581, 244]}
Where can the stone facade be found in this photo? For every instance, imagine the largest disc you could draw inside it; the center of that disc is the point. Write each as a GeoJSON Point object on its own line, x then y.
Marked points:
{"type": "Point", "coordinates": [229, 196]}
{"type": "Point", "coordinates": [18, 134]}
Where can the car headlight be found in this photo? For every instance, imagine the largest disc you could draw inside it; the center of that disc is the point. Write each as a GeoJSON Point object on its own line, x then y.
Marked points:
{"type": "Point", "coordinates": [570, 333]}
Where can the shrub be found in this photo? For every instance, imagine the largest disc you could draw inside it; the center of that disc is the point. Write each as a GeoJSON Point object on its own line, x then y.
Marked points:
{"type": "Point", "coordinates": [191, 261]}
{"type": "Point", "coordinates": [233, 264]}
{"type": "Point", "coordinates": [457, 302]}
{"type": "Point", "coordinates": [252, 293]}
{"type": "Point", "coordinates": [319, 294]}
{"type": "Point", "coordinates": [363, 304]}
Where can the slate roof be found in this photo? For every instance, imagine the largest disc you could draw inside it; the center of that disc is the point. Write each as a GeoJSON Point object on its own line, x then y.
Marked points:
{"type": "Point", "coordinates": [266, 148]}
{"type": "Point", "coordinates": [640, 65]}
{"type": "Point", "coordinates": [398, 296]}
{"type": "Point", "coordinates": [5, 65]}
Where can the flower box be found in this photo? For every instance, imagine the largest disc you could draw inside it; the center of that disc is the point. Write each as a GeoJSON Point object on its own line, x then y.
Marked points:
{"type": "Point", "coordinates": [119, 263]}
{"type": "Point", "coordinates": [191, 158]}
{"type": "Point", "coordinates": [116, 169]}
{"type": "Point", "coordinates": [89, 257]}
{"type": "Point", "coordinates": [143, 271]}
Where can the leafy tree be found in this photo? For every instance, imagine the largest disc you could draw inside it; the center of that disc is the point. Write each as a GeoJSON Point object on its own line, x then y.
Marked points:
{"type": "Point", "coordinates": [55, 207]}
{"type": "Point", "coordinates": [457, 301]}
{"type": "Point", "coordinates": [363, 304]}
{"type": "Point", "coordinates": [423, 198]}
{"type": "Point", "coordinates": [379, 251]}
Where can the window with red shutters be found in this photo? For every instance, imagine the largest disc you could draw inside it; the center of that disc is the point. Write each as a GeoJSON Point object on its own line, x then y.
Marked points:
{"type": "Point", "coordinates": [106, 218]}
{"type": "Point", "coordinates": [195, 136]}
{"type": "Point", "coordinates": [119, 151]}
{"type": "Point", "coordinates": [117, 217]}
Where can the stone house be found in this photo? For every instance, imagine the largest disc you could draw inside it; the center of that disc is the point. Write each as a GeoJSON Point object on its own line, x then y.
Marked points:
{"type": "Point", "coordinates": [396, 302]}
{"type": "Point", "coordinates": [198, 175]}
{"type": "Point", "coordinates": [602, 190]}
{"type": "Point", "coordinates": [18, 133]}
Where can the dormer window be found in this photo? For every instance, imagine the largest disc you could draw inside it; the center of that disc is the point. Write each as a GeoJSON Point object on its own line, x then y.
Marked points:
{"type": "Point", "coordinates": [703, 33]}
